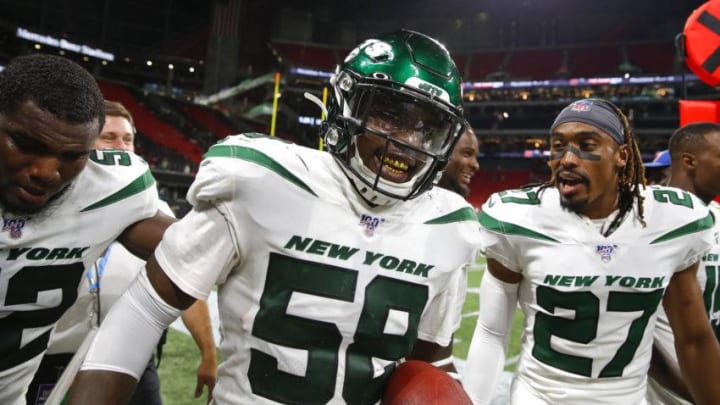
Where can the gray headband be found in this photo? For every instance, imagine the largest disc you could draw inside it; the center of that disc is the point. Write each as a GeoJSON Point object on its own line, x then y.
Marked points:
{"type": "Point", "coordinates": [595, 112]}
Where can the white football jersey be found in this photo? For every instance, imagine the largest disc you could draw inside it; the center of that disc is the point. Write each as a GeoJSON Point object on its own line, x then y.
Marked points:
{"type": "Point", "coordinates": [591, 301]}
{"type": "Point", "coordinates": [707, 277]}
{"type": "Point", "coordinates": [110, 276]}
{"type": "Point", "coordinates": [44, 257]}
{"type": "Point", "coordinates": [319, 293]}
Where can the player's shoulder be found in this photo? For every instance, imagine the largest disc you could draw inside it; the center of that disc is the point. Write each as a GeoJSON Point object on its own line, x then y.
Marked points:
{"type": "Point", "coordinates": [256, 147]}
{"type": "Point", "coordinates": [517, 203]}
{"type": "Point", "coordinates": [440, 206]}
{"type": "Point", "coordinates": [240, 162]}
{"type": "Point", "coordinates": [115, 163]}
{"type": "Point", "coordinates": [114, 171]}
{"type": "Point", "coordinates": [528, 211]}
{"type": "Point", "coordinates": [257, 154]}
{"type": "Point", "coordinates": [114, 178]}
{"type": "Point", "coordinates": [674, 205]}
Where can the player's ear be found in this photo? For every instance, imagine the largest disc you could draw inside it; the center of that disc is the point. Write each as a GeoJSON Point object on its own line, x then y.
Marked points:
{"type": "Point", "coordinates": [688, 160]}
{"type": "Point", "coordinates": [621, 157]}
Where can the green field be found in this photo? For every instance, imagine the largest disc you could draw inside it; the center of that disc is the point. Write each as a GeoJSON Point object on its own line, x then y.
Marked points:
{"type": "Point", "coordinates": [470, 310]}
{"type": "Point", "coordinates": [180, 357]}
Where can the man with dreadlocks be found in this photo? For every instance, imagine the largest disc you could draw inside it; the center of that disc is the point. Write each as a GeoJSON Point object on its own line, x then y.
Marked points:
{"type": "Point", "coordinates": [589, 256]}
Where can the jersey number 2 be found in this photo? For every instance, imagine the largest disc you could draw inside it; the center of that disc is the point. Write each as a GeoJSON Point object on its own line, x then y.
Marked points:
{"type": "Point", "coordinates": [23, 288]}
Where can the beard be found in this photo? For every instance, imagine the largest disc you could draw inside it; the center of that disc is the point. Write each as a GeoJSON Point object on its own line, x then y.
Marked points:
{"type": "Point", "coordinates": [459, 188]}
{"type": "Point", "coordinates": [573, 206]}
{"type": "Point", "coordinates": [37, 212]}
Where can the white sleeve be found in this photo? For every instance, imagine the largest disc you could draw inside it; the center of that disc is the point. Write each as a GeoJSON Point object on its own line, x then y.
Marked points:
{"type": "Point", "coordinates": [486, 357]}
{"type": "Point", "coordinates": [130, 333]}
{"type": "Point", "coordinates": [444, 312]}
{"type": "Point", "coordinates": [198, 251]}
{"type": "Point", "coordinates": [494, 243]}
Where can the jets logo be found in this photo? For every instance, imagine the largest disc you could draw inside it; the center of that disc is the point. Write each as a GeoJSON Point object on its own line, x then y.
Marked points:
{"type": "Point", "coordinates": [427, 87]}
{"type": "Point", "coordinates": [373, 48]}
{"type": "Point", "coordinates": [379, 51]}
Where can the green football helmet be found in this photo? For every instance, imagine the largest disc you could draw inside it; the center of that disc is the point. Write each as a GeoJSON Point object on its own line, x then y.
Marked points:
{"type": "Point", "coordinates": [394, 115]}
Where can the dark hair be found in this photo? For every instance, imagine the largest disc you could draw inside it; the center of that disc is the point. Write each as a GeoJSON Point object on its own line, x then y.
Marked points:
{"type": "Point", "coordinates": [690, 137]}
{"type": "Point", "coordinates": [631, 178]}
{"type": "Point", "coordinates": [116, 109]}
{"type": "Point", "coordinates": [55, 84]}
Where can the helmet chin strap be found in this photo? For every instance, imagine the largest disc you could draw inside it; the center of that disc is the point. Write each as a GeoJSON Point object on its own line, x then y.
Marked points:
{"type": "Point", "coordinates": [362, 176]}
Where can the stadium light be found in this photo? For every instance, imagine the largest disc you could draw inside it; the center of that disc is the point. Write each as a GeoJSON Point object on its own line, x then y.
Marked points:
{"type": "Point", "coordinates": [149, 63]}
{"type": "Point", "coordinates": [191, 69]}
{"type": "Point", "coordinates": [171, 66]}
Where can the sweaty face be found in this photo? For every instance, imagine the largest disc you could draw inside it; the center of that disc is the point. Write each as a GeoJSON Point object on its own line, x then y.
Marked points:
{"type": "Point", "coordinates": [707, 167]}
{"type": "Point", "coordinates": [585, 164]}
{"type": "Point", "coordinates": [399, 136]}
{"type": "Point", "coordinates": [116, 134]}
{"type": "Point", "coordinates": [462, 166]}
{"type": "Point", "coordinates": [39, 156]}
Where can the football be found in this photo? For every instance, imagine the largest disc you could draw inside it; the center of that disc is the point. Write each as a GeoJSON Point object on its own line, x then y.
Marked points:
{"type": "Point", "coordinates": [419, 383]}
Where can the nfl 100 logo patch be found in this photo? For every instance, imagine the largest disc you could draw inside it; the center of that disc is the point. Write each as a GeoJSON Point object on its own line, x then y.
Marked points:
{"type": "Point", "coordinates": [606, 252]}
{"type": "Point", "coordinates": [15, 226]}
{"type": "Point", "coordinates": [370, 223]}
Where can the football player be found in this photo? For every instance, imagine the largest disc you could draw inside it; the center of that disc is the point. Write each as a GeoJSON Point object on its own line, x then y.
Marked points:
{"type": "Point", "coordinates": [102, 285]}
{"type": "Point", "coordinates": [61, 204]}
{"type": "Point", "coordinates": [589, 256]}
{"type": "Point", "coordinates": [463, 164]}
{"type": "Point", "coordinates": [331, 267]}
{"type": "Point", "coordinates": [695, 168]}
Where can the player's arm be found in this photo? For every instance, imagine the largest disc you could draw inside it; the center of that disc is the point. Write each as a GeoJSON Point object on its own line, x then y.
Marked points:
{"type": "Point", "coordinates": [696, 346]}
{"type": "Point", "coordinates": [137, 320]}
{"type": "Point", "coordinates": [197, 320]}
{"type": "Point", "coordinates": [661, 372]}
{"type": "Point", "coordinates": [439, 356]}
{"type": "Point", "coordinates": [142, 237]}
{"type": "Point", "coordinates": [486, 357]}
{"type": "Point", "coordinates": [131, 330]}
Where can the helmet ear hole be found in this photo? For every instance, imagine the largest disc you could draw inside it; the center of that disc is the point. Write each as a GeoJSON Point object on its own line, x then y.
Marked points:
{"type": "Point", "coordinates": [381, 76]}
{"type": "Point", "coordinates": [332, 137]}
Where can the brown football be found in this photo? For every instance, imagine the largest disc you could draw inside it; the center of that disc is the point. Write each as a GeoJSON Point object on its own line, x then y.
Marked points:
{"type": "Point", "coordinates": [419, 383]}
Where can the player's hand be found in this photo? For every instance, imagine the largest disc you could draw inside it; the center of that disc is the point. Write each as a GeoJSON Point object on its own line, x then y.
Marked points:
{"type": "Point", "coordinates": [206, 376]}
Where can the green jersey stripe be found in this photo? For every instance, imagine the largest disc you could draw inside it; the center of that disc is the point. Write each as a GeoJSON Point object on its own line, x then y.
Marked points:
{"type": "Point", "coordinates": [462, 214]}
{"type": "Point", "coordinates": [143, 182]}
{"type": "Point", "coordinates": [692, 227]}
{"type": "Point", "coordinates": [255, 156]}
{"type": "Point", "coordinates": [507, 228]}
